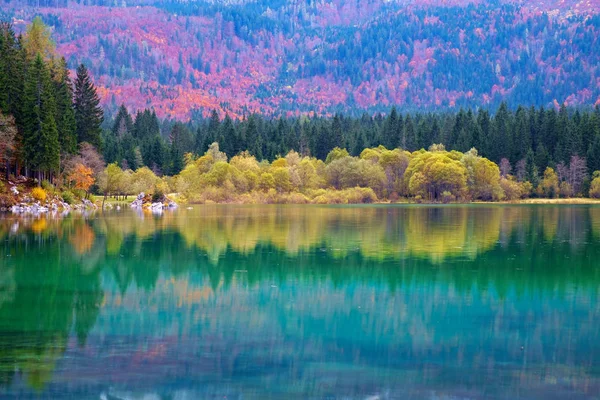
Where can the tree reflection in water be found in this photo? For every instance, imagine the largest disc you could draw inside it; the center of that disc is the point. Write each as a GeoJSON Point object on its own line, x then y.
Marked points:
{"type": "Point", "coordinates": [307, 301]}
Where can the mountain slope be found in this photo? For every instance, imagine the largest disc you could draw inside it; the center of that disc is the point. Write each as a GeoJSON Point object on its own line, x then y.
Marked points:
{"type": "Point", "coordinates": [292, 57]}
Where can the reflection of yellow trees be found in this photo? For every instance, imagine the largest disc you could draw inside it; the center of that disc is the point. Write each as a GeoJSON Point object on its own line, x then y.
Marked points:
{"type": "Point", "coordinates": [441, 233]}
{"type": "Point", "coordinates": [376, 232]}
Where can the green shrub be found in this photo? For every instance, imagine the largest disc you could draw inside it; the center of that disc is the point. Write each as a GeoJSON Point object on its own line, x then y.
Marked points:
{"type": "Point", "coordinates": [47, 186]}
{"type": "Point", "coordinates": [158, 195]}
{"type": "Point", "coordinates": [78, 193]}
{"type": "Point", "coordinates": [68, 197]}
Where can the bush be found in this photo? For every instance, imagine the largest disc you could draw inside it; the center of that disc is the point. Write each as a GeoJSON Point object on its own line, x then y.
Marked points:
{"type": "Point", "coordinates": [566, 190]}
{"type": "Point", "coordinates": [78, 193]}
{"type": "Point", "coordinates": [158, 195]}
{"type": "Point", "coordinates": [68, 197]}
{"type": "Point", "coordinates": [39, 194]}
{"type": "Point", "coordinates": [514, 190]}
{"type": "Point", "coordinates": [595, 188]}
{"type": "Point", "coordinates": [47, 186]}
{"type": "Point", "coordinates": [447, 197]}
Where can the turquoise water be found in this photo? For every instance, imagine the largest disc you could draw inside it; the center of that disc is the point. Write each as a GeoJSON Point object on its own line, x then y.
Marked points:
{"type": "Point", "coordinates": [303, 302]}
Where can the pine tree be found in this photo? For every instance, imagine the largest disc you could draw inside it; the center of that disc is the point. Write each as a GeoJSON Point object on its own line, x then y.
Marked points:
{"type": "Point", "coordinates": [12, 79]}
{"type": "Point", "coordinates": [337, 136]}
{"type": "Point", "coordinates": [410, 134]}
{"type": "Point", "coordinates": [40, 137]}
{"type": "Point", "coordinates": [65, 113]}
{"type": "Point", "coordinates": [88, 114]}
{"type": "Point", "coordinates": [500, 134]}
{"type": "Point", "coordinates": [252, 138]}
{"type": "Point", "coordinates": [123, 124]}
{"type": "Point", "coordinates": [521, 140]}
{"type": "Point", "coordinates": [593, 154]}
{"type": "Point", "coordinates": [231, 144]}
{"type": "Point", "coordinates": [485, 126]}
{"type": "Point", "coordinates": [181, 143]}
{"type": "Point", "coordinates": [212, 134]}
{"type": "Point", "coordinates": [390, 130]}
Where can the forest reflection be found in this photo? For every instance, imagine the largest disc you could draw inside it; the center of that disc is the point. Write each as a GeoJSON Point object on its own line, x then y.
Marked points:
{"type": "Point", "coordinates": [433, 233]}
{"type": "Point", "coordinates": [56, 277]}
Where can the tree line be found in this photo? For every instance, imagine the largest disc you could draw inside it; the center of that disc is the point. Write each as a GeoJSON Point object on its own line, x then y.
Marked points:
{"type": "Point", "coordinates": [53, 128]}
{"type": "Point", "coordinates": [45, 117]}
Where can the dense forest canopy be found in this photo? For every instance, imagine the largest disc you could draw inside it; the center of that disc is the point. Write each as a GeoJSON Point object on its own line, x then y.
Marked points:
{"type": "Point", "coordinates": [295, 57]}
{"type": "Point", "coordinates": [54, 129]}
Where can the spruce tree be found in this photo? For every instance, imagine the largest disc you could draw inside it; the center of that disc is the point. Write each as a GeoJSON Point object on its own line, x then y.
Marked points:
{"type": "Point", "coordinates": [213, 130]}
{"type": "Point", "coordinates": [12, 79]}
{"type": "Point", "coordinates": [252, 138]}
{"type": "Point", "coordinates": [40, 136]}
{"type": "Point", "coordinates": [123, 124]}
{"type": "Point", "coordinates": [337, 136]}
{"type": "Point", "coordinates": [65, 113]}
{"type": "Point", "coordinates": [410, 134]}
{"type": "Point", "coordinates": [390, 130]}
{"type": "Point", "coordinates": [88, 114]}
{"type": "Point", "coordinates": [229, 143]}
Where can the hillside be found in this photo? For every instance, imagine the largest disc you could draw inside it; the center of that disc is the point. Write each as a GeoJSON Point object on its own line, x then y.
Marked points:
{"type": "Point", "coordinates": [291, 57]}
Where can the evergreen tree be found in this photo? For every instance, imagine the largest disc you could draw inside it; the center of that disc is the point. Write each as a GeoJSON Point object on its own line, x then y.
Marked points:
{"type": "Point", "coordinates": [521, 140]}
{"type": "Point", "coordinates": [593, 154]}
{"type": "Point", "coordinates": [213, 131]}
{"type": "Point", "coordinates": [65, 113]}
{"type": "Point", "coordinates": [500, 134]}
{"type": "Point", "coordinates": [180, 143]}
{"type": "Point", "coordinates": [157, 160]}
{"type": "Point", "coordinates": [231, 143]}
{"type": "Point", "coordinates": [40, 136]}
{"type": "Point", "coordinates": [252, 138]}
{"type": "Point", "coordinates": [12, 67]}
{"type": "Point", "coordinates": [485, 127]}
{"type": "Point", "coordinates": [390, 130]}
{"type": "Point", "coordinates": [123, 124]}
{"type": "Point", "coordinates": [337, 136]}
{"type": "Point", "coordinates": [410, 134]}
{"type": "Point", "coordinates": [88, 114]}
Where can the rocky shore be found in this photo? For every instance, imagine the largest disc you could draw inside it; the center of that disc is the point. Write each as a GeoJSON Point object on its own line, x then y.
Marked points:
{"type": "Point", "coordinates": [23, 202]}
{"type": "Point", "coordinates": [147, 201]}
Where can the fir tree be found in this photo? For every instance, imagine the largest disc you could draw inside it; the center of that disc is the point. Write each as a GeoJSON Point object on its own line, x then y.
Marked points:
{"type": "Point", "coordinates": [65, 113]}
{"type": "Point", "coordinates": [390, 130]}
{"type": "Point", "coordinates": [88, 114]}
{"type": "Point", "coordinates": [40, 138]}
{"type": "Point", "coordinates": [123, 124]}
{"type": "Point", "coordinates": [252, 138]}
{"type": "Point", "coordinates": [337, 136]}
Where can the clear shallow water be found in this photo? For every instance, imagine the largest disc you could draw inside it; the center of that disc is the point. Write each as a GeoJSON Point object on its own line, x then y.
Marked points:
{"type": "Point", "coordinates": [258, 302]}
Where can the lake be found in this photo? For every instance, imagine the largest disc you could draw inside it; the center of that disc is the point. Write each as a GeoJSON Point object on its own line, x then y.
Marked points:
{"type": "Point", "coordinates": [303, 302]}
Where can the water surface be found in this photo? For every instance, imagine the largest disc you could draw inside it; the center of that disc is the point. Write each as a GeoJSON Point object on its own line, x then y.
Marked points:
{"type": "Point", "coordinates": [306, 302]}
